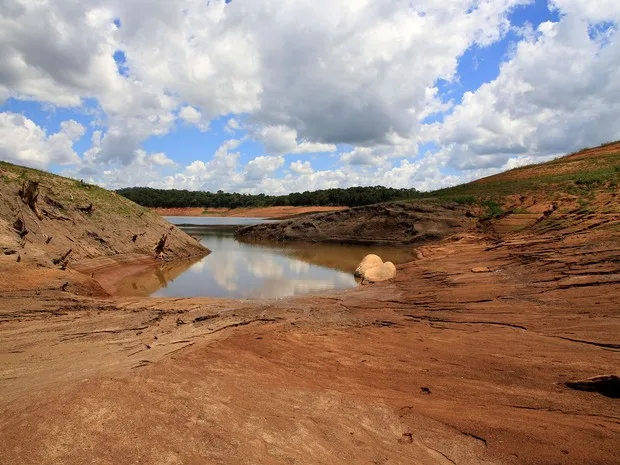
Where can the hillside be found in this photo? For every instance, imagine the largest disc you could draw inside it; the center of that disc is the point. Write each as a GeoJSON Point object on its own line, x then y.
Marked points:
{"type": "Point", "coordinates": [55, 223]}
{"type": "Point", "coordinates": [580, 188]}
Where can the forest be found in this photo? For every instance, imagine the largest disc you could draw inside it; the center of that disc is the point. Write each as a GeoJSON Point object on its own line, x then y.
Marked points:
{"type": "Point", "coordinates": [350, 197]}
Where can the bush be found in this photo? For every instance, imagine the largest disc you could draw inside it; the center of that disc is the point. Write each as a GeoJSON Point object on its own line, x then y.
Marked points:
{"type": "Point", "coordinates": [465, 200]}
{"type": "Point", "coordinates": [492, 209]}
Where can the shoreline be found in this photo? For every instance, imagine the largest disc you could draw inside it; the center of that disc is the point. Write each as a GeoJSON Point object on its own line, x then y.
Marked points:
{"type": "Point", "coordinates": [267, 213]}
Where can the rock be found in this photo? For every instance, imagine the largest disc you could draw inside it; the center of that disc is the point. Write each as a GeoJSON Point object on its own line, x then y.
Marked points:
{"type": "Point", "coordinates": [607, 385]}
{"type": "Point", "coordinates": [369, 261]}
{"type": "Point", "coordinates": [480, 269]}
{"type": "Point", "coordinates": [380, 273]}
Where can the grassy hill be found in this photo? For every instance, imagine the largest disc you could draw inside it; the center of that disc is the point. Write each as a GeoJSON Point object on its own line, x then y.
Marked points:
{"type": "Point", "coordinates": [577, 174]}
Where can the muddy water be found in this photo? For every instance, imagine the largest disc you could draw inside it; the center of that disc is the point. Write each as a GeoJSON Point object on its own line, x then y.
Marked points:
{"type": "Point", "coordinates": [242, 270]}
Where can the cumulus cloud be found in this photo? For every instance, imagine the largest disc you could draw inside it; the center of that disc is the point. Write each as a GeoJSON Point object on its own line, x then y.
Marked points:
{"type": "Point", "coordinates": [55, 52]}
{"type": "Point", "coordinates": [282, 139]}
{"type": "Point", "coordinates": [221, 172]}
{"type": "Point", "coordinates": [361, 156]}
{"type": "Point", "coordinates": [23, 142]}
{"type": "Point", "coordinates": [301, 167]}
{"type": "Point", "coordinates": [556, 94]}
{"type": "Point", "coordinates": [192, 116]}
{"type": "Point", "coordinates": [233, 125]}
{"type": "Point", "coordinates": [305, 77]}
{"type": "Point", "coordinates": [261, 166]}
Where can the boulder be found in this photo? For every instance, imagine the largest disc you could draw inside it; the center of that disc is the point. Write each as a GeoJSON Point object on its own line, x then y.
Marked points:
{"type": "Point", "coordinates": [369, 261]}
{"type": "Point", "coordinates": [380, 273]}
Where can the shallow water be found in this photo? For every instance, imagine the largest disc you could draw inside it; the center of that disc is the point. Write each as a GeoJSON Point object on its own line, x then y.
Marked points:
{"type": "Point", "coordinates": [254, 270]}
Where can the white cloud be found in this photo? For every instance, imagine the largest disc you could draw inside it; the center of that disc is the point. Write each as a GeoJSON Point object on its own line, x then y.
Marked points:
{"type": "Point", "coordinates": [301, 167]}
{"type": "Point", "coordinates": [192, 116]}
{"type": "Point", "coordinates": [326, 71]}
{"type": "Point", "coordinates": [72, 129]}
{"type": "Point", "coordinates": [23, 142]}
{"type": "Point", "coordinates": [158, 159]}
{"type": "Point", "coordinates": [556, 94]}
{"type": "Point", "coordinates": [233, 125]}
{"type": "Point", "coordinates": [282, 139]}
{"type": "Point", "coordinates": [261, 166]}
{"type": "Point", "coordinates": [361, 156]}
{"type": "Point", "coordinates": [220, 172]}
{"type": "Point", "coordinates": [304, 77]}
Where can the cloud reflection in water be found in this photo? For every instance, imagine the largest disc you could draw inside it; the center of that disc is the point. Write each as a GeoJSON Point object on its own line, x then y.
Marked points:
{"type": "Point", "coordinates": [239, 270]}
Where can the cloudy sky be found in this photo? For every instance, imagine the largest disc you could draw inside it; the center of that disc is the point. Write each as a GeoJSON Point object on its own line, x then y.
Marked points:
{"type": "Point", "coordinates": [286, 95]}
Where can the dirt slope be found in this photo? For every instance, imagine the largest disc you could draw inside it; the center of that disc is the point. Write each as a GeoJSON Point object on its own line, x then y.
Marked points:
{"type": "Point", "coordinates": [77, 226]}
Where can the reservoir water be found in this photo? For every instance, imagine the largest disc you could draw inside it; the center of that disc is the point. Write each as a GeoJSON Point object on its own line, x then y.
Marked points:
{"type": "Point", "coordinates": [236, 269]}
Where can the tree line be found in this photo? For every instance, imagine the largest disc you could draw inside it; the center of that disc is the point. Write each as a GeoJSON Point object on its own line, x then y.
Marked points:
{"type": "Point", "coordinates": [350, 197]}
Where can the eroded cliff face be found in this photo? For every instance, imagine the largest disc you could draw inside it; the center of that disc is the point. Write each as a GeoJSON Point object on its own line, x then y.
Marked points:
{"type": "Point", "coordinates": [51, 222]}
{"type": "Point", "coordinates": [393, 223]}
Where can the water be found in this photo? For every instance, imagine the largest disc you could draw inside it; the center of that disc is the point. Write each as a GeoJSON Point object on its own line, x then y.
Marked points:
{"type": "Point", "coordinates": [254, 270]}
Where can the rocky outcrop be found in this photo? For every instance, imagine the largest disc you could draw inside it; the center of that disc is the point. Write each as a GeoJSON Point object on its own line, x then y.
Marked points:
{"type": "Point", "coordinates": [393, 223]}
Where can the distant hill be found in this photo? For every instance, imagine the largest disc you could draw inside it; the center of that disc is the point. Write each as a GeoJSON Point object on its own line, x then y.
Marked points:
{"type": "Point", "coordinates": [595, 166]}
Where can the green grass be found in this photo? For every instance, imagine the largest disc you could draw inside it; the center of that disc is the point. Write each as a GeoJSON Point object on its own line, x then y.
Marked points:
{"type": "Point", "coordinates": [492, 209]}
{"type": "Point", "coordinates": [465, 200]}
{"type": "Point", "coordinates": [602, 171]}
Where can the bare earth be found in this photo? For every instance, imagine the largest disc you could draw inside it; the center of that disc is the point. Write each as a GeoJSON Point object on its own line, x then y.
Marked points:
{"type": "Point", "coordinates": [259, 212]}
{"type": "Point", "coordinates": [440, 366]}
{"type": "Point", "coordinates": [463, 358]}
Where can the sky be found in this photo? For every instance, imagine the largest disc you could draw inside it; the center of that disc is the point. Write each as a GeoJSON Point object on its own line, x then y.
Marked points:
{"type": "Point", "coordinates": [279, 96]}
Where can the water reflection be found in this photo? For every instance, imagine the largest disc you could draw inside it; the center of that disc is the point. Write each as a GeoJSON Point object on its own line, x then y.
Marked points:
{"type": "Point", "coordinates": [257, 270]}
{"type": "Point", "coordinates": [339, 256]}
{"type": "Point", "coordinates": [146, 281]}
{"type": "Point", "coordinates": [235, 269]}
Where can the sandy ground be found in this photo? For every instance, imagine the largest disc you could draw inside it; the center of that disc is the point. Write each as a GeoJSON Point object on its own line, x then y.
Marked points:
{"type": "Point", "coordinates": [266, 212]}
{"type": "Point", "coordinates": [442, 365]}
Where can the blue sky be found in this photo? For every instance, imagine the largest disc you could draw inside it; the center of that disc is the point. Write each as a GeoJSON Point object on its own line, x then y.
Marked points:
{"type": "Point", "coordinates": [243, 97]}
